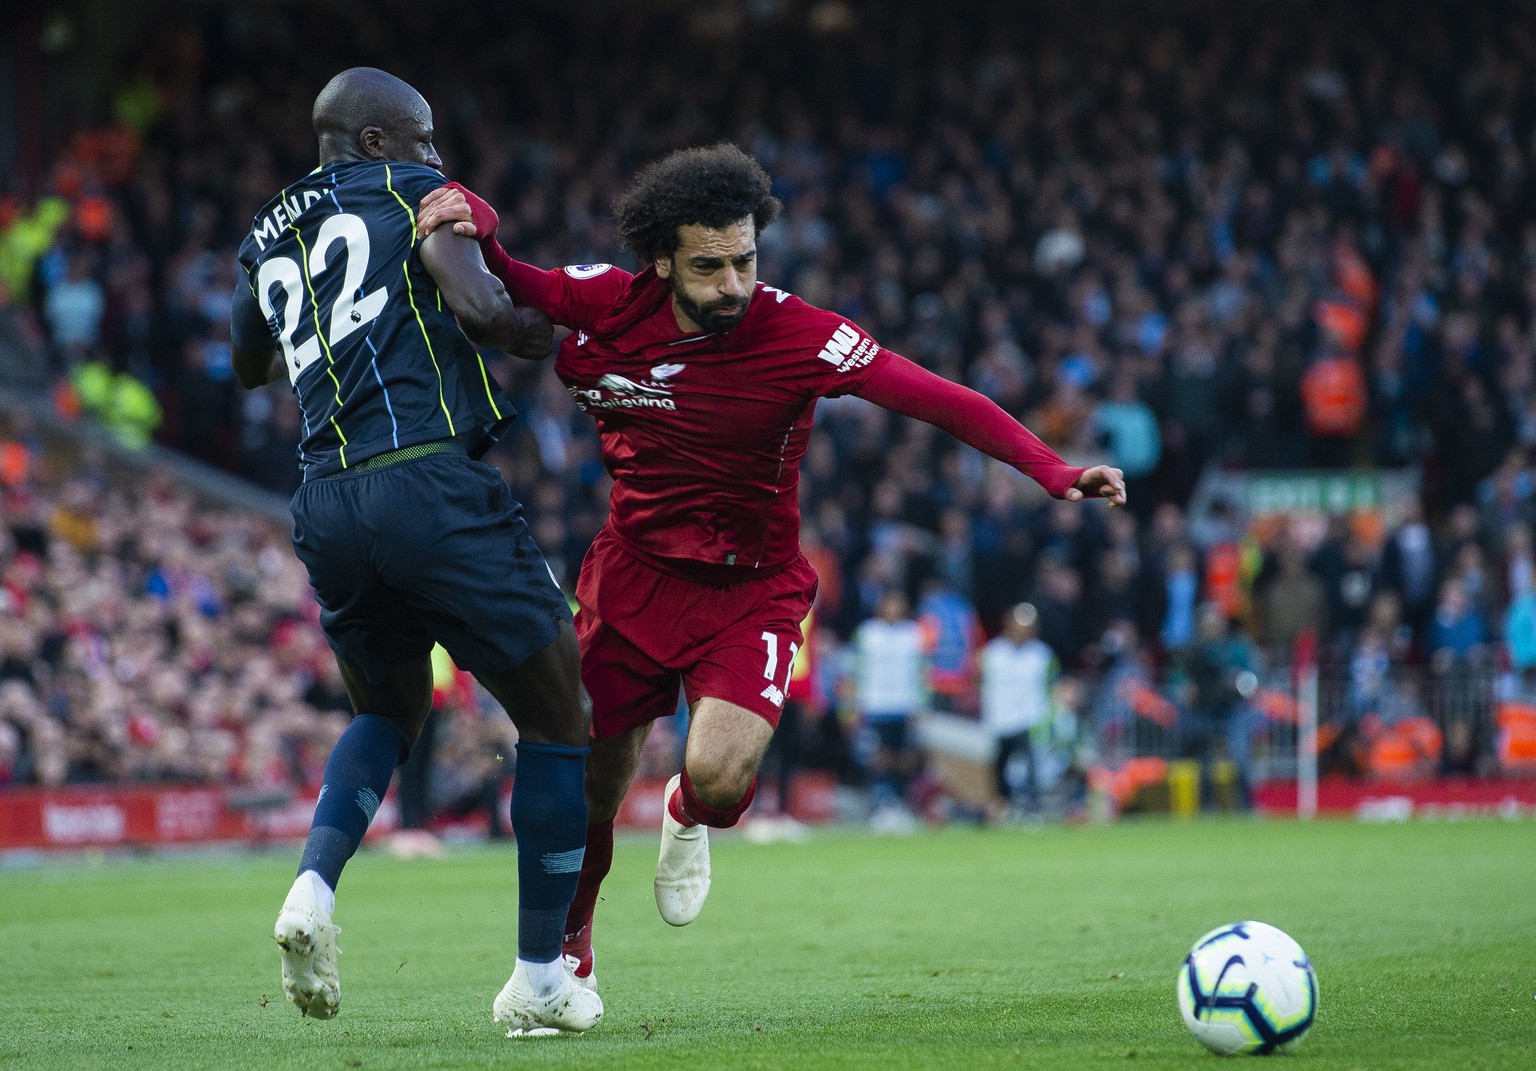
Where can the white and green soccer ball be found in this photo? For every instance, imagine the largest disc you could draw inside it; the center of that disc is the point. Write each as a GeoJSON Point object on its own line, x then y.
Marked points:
{"type": "Point", "coordinates": [1247, 988]}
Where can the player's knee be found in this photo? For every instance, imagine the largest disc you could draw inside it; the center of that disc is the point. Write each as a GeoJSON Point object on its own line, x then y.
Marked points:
{"type": "Point", "coordinates": [723, 783]}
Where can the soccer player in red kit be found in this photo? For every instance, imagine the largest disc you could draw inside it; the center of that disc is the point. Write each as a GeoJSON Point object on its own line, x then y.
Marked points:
{"type": "Point", "coordinates": [703, 382]}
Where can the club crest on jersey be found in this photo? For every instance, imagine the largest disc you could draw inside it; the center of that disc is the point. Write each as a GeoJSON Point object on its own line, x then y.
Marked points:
{"type": "Point", "coordinates": [586, 271]}
{"type": "Point", "coordinates": [848, 349]}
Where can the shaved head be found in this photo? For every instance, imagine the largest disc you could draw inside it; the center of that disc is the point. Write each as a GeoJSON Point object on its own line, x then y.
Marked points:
{"type": "Point", "coordinates": [365, 113]}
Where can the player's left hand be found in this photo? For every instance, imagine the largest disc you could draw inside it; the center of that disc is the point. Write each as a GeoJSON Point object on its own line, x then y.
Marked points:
{"type": "Point", "coordinates": [469, 214]}
{"type": "Point", "coordinates": [1101, 481]}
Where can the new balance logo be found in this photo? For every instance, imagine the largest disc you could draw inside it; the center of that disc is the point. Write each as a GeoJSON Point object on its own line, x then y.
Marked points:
{"type": "Point", "coordinates": [774, 695]}
{"type": "Point", "coordinates": [840, 345]}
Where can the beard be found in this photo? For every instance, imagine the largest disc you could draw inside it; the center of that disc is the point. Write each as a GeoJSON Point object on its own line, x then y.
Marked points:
{"type": "Point", "coordinates": [716, 316]}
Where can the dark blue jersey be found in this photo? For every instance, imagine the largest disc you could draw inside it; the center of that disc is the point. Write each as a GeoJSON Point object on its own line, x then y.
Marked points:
{"type": "Point", "coordinates": [375, 358]}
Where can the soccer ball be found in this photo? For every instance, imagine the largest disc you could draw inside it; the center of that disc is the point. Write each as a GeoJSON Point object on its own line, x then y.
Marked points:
{"type": "Point", "coordinates": [1247, 988]}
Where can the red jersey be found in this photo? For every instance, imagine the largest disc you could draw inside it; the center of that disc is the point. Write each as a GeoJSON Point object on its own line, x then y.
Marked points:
{"type": "Point", "coordinates": [703, 433]}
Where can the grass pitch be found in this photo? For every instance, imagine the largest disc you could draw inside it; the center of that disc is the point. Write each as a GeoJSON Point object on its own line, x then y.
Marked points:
{"type": "Point", "coordinates": [955, 948]}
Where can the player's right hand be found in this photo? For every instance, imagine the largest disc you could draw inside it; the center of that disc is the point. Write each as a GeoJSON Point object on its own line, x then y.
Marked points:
{"type": "Point", "coordinates": [470, 215]}
{"type": "Point", "coordinates": [536, 335]}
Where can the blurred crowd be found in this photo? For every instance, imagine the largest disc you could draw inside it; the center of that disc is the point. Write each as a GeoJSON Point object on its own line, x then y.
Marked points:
{"type": "Point", "coordinates": [146, 637]}
{"type": "Point", "coordinates": [150, 635]}
{"type": "Point", "coordinates": [1176, 239]}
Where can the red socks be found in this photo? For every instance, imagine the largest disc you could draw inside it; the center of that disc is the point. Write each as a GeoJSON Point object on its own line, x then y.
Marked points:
{"type": "Point", "coordinates": [594, 868]}
{"type": "Point", "coordinates": [687, 809]}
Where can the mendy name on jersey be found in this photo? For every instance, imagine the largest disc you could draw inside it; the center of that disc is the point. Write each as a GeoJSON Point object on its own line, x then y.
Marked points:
{"type": "Point", "coordinates": [376, 360]}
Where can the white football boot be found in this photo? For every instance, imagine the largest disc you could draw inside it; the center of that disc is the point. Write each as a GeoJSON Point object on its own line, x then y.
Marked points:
{"type": "Point", "coordinates": [586, 981]}
{"type": "Point", "coordinates": [306, 936]}
{"type": "Point", "coordinates": [570, 1009]}
{"type": "Point", "coordinates": [682, 871]}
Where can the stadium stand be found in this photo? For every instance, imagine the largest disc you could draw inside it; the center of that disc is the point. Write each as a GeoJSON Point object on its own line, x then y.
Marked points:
{"type": "Point", "coordinates": [1294, 262]}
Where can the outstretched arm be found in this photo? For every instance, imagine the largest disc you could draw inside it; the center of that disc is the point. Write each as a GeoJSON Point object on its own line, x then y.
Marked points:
{"type": "Point", "coordinates": [909, 389]}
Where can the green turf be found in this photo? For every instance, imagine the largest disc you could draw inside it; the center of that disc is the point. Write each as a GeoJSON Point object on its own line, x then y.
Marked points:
{"type": "Point", "coordinates": [957, 948]}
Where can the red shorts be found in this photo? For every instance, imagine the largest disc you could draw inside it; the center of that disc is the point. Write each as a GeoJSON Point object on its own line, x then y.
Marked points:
{"type": "Point", "coordinates": [644, 634]}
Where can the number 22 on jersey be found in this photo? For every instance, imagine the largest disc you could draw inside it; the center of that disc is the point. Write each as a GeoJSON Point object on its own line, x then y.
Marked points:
{"type": "Point", "coordinates": [351, 308]}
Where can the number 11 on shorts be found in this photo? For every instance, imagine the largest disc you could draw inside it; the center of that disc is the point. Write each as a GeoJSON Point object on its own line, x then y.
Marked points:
{"type": "Point", "coordinates": [773, 693]}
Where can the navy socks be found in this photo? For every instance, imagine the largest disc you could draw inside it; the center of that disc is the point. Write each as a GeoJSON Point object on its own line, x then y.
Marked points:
{"type": "Point", "coordinates": [356, 777]}
{"type": "Point", "coordinates": [549, 818]}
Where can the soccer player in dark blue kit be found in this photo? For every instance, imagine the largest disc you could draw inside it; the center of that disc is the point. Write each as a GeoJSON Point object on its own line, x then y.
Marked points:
{"type": "Point", "coordinates": [408, 538]}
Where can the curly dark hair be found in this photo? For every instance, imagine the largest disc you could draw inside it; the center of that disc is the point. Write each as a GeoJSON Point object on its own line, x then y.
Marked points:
{"type": "Point", "coordinates": [713, 187]}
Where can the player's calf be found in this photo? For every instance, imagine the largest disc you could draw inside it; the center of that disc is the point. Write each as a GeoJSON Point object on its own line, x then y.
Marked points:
{"type": "Point", "coordinates": [576, 945]}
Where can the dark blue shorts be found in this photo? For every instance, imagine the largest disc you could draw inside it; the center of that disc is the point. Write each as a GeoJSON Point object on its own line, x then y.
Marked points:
{"type": "Point", "coordinates": [430, 549]}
